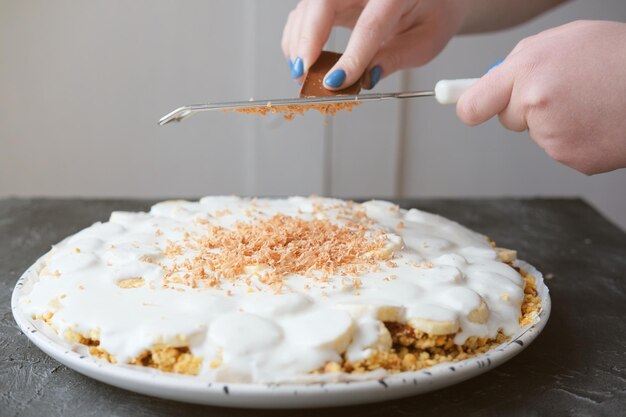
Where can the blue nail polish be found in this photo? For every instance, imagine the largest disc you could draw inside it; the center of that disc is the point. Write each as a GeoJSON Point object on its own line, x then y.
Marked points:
{"type": "Point", "coordinates": [290, 65]}
{"type": "Point", "coordinates": [335, 78]}
{"type": "Point", "coordinates": [495, 65]}
{"type": "Point", "coordinates": [297, 68]}
{"type": "Point", "coordinates": [375, 74]}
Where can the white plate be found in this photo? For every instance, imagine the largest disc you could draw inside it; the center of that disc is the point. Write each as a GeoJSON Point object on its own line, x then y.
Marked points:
{"type": "Point", "coordinates": [201, 391]}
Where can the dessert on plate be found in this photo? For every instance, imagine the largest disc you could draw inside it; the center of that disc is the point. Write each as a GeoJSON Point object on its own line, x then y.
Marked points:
{"type": "Point", "coordinates": [281, 290]}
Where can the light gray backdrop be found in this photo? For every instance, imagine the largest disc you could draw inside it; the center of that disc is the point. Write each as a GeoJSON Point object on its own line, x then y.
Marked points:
{"type": "Point", "coordinates": [82, 84]}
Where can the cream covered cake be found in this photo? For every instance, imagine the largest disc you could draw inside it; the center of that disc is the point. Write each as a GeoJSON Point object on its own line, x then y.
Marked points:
{"type": "Point", "coordinates": [281, 290]}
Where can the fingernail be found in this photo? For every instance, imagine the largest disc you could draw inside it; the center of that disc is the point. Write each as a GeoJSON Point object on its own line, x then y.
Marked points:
{"type": "Point", "coordinates": [290, 65]}
{"type": "Point", "coordinates": [495, 65]}
{"type": "Point", "coordinates": [335, 78]}
{"type": "Point", "coordinates": [297, 68]}
{"type": "Point", "coordinates": [375, 74]}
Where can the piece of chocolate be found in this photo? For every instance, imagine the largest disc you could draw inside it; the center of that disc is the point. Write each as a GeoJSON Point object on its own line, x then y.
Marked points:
{"type": "Point", "coordinates": [313, 85]}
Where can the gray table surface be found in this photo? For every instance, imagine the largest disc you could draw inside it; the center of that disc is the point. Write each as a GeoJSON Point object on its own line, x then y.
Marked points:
{"type": "Point", "coordinates": [576, 367]}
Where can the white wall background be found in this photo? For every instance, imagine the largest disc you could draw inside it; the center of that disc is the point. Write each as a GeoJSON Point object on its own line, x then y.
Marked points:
{"type": "Point", "coordinates": [82, 84]}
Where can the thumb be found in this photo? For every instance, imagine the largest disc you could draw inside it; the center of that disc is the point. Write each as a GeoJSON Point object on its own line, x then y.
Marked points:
{"type": "Point", "coordinates": [488, 97]}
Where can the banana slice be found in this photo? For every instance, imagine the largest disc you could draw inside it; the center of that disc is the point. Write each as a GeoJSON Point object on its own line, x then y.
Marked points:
{"type": "Point", "coordinates": [390, 313]}
{"type": "Point", "coordinates": [380, 210]}
{"type": "Point", "coordinates": [243, 333]}
{"type": "Point", "coordinates": [417, 216]}
{"type": "Point", "coordinates": [439, 275]}
{"type": "Point", "coordinates": [331, 329]}
{"type": "Point", "coordinates": [428, 244]}
{"type": "Point", "coordinates": [466, 302]}
{"type": "Point", "coordinates": [275, 305]}
{"type": "Point", "coordinates": [480, 314]}
{"type": "Point", "coordinates": [371, 335]}
{"type": "Point", "coordinates": [383, 254]}
{"type": "Point", "coordinates": [433, 319]}
{"type": "Point", "coordinates": [379, 312]}
{"type": "Point", "coordinates": [478, 254]}
{"type": "Point", "coordinates": [434, 327]}
{"type": "Point", "coordinates": [506, 255]}
{"type": "Point", "coordinates": [383, 341]}
{"type": "Point", "coordinates": [394, 243]}
{"type": "Point", "coordinates": [490, 269]}
{"type": "Point", "coordinates": [450, 259]}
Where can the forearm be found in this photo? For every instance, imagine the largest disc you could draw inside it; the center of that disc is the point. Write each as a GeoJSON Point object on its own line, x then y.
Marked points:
{"type": "Point", "coordinates": [491, 15]}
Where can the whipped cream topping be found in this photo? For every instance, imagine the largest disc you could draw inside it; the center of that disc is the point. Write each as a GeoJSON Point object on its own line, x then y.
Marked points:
{"type": "Point", "coordinates": [430, 272]}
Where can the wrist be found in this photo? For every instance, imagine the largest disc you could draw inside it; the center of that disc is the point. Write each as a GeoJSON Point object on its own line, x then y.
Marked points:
{"type": "Point", "coordinates": [457, 13]}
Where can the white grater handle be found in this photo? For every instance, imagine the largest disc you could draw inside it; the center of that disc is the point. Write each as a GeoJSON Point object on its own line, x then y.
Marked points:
{"type": "Point", "coordinates": [449, 91]}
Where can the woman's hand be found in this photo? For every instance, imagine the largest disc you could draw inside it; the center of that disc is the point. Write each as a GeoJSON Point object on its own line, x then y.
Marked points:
{"type": "Point", "coordinates": [388, 35]}
{"type": "Point", "coordinates": [567, 87]}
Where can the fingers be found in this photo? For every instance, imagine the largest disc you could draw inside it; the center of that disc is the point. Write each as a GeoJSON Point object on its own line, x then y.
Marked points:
{"type": "Point", "coordinates": [412, 48]}
{"type": "Point", "coordinates": [308, 28]}
{"type": "Point", "coordinates": [391, 58]}
{"type": "Point", "coordinates": [513, 117]}
{"type": "Point", "coordinates": [489, 96]}
{"type": "Point", "coordinates": [291, 33]}
{"type": "Point", "coordinates": [377, 21]}
{"type": "Point", "coordinates": [297, 65]}
{"type": "Point", "coordinates": [496, 92]}
{"type": "Point", "coordinates": [285, 42]}
{"type": "Point", "coordinates": [314, 32]}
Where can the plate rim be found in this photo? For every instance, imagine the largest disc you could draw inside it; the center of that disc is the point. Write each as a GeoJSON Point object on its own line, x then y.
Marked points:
{"type": "Point", "coordinates": [192, 389]}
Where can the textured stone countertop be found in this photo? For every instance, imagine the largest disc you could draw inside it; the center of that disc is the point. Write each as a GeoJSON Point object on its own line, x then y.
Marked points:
{"type": "Point", "coordinates": [577, 366]}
